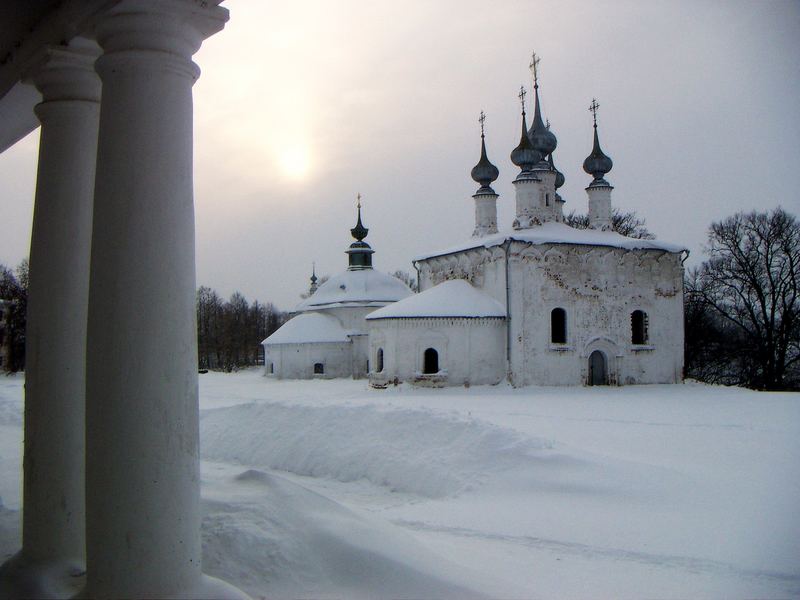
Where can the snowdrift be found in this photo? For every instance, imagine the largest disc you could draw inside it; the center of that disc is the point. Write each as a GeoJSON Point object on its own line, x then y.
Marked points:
{"type": "Point", "coordinates": [284, 540]}
{"type": "Point", "coordinates": [407, 450]}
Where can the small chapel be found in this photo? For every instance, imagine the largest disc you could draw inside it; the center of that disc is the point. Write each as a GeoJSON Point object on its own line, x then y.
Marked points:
{"type": "Point", "coordinates": [539, 303]}
{"type": "Point", "coordinates": [327, 337]}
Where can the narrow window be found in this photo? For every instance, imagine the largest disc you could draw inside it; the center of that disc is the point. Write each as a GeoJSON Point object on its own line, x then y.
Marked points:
{"type": "Point", "coordinates": [380, 360]}
{"type": "Point", "coordinates": [270, 368]}
{"type": "Point", "coordinates": [638, 327]}
{"type": "Point", "coordinates": [547, 199]}
{"type": "Point", "coordinates": [558, 326]}
{"type": "Point", "coordinates": [430, 361]}
{"type": "Point", "coordinates": [319, 369]}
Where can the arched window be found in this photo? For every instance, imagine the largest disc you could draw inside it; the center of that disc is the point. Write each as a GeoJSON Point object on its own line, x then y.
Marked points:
{"type": "Point", "coordinates": [558, 326]}
{"type": "Point", "coordinates": [319, 369]}
{"type": "Point", "coordinates": [638, 327]}
{"type": "Point", "coordinates": [379, 362]}
{"type": "Point", "coordinates": [430, 361]}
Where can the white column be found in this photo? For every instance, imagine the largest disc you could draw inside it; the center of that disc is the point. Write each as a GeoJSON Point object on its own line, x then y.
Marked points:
{"type": "Point", "coordinates": [53, 541]}
{"type": "Point", "coordinates": [142, 470]}
{"type": "Point", "coordinates": [600, 206]}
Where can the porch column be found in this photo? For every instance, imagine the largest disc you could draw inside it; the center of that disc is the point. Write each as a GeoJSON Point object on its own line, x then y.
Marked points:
{"type": "Point", "coordinates": [53, 540]}
{"type": "Point", "coordinates": [142, 469]}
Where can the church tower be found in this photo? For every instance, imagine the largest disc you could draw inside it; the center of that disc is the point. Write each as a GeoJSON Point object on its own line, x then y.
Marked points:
{"type": "Point", "coordinates": [537, 199]}
{"type": "Point", "coordinates": [527, 184]}
{"type": "Point", "coordinates": [597, 164]}
{"type": "Point", "coordinates": [313, 287]}
{"type": "Point", "coordinates": [485, 198]}
{"type": "Point", "coordinates": [360, 252]}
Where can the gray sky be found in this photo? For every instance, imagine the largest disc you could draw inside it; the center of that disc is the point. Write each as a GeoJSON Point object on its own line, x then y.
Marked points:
{"type": "Point", "coordinates": [302, 105]}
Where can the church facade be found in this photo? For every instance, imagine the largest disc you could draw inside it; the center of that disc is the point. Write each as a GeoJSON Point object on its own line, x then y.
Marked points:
{"type": "Point", "coordinates": [543, 303]}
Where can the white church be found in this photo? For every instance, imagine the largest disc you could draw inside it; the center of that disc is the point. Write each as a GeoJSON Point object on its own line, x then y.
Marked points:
{"type": "Point", "coordinates": [540, 303]}
{"type": "Point", "coordinates": [327, 337]}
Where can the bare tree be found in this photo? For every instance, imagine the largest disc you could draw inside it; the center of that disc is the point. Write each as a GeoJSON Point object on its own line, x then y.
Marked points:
{"type": "Point", "coordinates": [408, 279]}
{"type": "Point", "coordinates": [14, 294]}
{"type": "Point", "coordinates": [229, 334]}
{"type": "Point", "coordinates": [749, 286]}
{"type": "Point", "coordinates": [624, 223]}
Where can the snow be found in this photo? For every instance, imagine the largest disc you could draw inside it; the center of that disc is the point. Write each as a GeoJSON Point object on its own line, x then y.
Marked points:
{"type": "Point", "coordinates": [309, 327]}
{"type": "Point", "coordinates": [558, 233]}
{"type": "Point", "coordinates": [359, 287]}
{"type": "Point", "coordinates": [454, 298]}
{"type": "Point", "coordinates": [330, 489]}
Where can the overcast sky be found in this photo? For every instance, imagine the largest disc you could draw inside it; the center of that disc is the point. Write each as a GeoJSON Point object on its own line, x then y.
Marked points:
{"type": "Point", "coordinates": [302, 105]}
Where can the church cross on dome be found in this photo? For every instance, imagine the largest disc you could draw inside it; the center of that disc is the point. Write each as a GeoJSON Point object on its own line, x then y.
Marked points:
{"type": "Point", "coordinates": [593, 109]}
{"type": "Point", "coordinates": [482, 120]}
{"type": "Point", "coordinates": [534, 67]}
{"type": "Point", "coordinates": [521, 96]}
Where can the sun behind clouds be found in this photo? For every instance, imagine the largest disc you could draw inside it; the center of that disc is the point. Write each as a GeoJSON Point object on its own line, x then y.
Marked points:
{"type": "Point", "coordinates": [295, 161]}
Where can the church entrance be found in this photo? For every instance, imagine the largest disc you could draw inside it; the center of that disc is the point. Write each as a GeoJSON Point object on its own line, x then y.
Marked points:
{"type": "Point", "coordinates": [430, 362]}
{"type": "Point", "coordinates": [598, 373]}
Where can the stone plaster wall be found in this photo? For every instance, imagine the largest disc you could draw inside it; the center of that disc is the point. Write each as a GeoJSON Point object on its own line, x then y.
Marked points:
{"type": "Point", "coordinates": [296, 361]}
{"type": "Point", "coordinates": [599, 288]}
{"type": "Point", "coordinates": [471, 351]}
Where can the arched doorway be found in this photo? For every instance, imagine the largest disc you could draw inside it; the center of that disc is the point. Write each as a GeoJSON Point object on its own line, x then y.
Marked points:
{"type": "Point", "coordinates": [598, 371]}
{"type": "Point", "coordinates": [430, 362]}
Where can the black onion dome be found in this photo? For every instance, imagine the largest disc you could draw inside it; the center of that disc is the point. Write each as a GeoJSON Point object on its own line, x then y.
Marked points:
{"type": "Point", "coordinates": [524, 155]}
{"type": "Point", "coordinates": [560, 179]}
{"type": "Point", "coordinates": [597, 164]}
{"type": "Point", "coordinates": [484, 172]}
{"type": "Point", "coordinates": [359, 231]}
{"type": "Point", "coordinates": [543, 140]}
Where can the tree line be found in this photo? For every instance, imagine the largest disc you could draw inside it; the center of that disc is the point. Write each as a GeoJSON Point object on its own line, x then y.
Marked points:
{"type": "Point", "coordinates": [741, 307]}
{"type": "Point", "coordinates": [230, 332]}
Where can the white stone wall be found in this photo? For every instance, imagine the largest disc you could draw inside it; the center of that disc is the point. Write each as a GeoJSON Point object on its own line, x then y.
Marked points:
{"type": "Point", "coordinates": [599, 288]}
{"type": "Point", "coordinates": [296, 361]}
{"type": "Point", "coordinates": [471, 351]}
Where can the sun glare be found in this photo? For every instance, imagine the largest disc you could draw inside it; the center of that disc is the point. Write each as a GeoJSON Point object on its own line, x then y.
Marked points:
{"type": "Point", "coordinates": [295, 161]}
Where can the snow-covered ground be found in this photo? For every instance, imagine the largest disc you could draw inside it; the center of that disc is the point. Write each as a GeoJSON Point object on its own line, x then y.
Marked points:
{"type": "Point", "coordinates": [329, 489]}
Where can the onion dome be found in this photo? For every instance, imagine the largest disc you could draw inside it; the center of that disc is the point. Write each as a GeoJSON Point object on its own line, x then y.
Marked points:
{"type": "Point", "coordinates": [543, 140]}
{"type": "Point", "coordinates": [560, 179]}
{"type": "Point", "coordinates": [313, 287]}
{"type": "Point", "coordinates": [597, 164]}
{"type": "Point", "coordinates": [484, 172]}
{"type": "Point", "coordinates": [360, 252]}
{"type": "Point", "coordinates": [524, 155]}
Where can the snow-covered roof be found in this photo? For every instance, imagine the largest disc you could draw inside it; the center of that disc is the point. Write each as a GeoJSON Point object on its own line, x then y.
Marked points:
{"type": "Point", "coordinates": [309, 327]}
{"type": "Point", "coordinates": [559, 233]}
{"type": "Point", "coordinates": [359, 287]}
{"type": "Point", "coordinates": [454, 298]}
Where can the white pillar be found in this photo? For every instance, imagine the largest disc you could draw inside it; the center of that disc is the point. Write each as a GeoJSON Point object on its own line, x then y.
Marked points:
{"type": "Point", "coordinates": [600, 206]}
{"type": "Point", "coordinates": [142, 470]}
{"type": "Point", "coordinates": [53, 525]}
